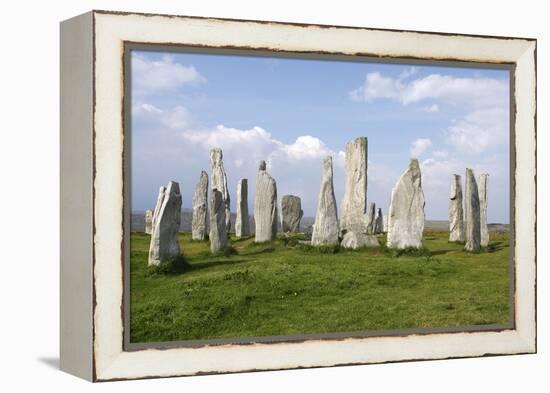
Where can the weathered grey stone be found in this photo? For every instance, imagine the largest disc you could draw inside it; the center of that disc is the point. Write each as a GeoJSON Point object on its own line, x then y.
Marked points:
{"type": "Point", "coordinates": [472, 215]}
{"type": "Point", "coordinates": [242, 224]}
{"type": "Point", "coordinates": [219, 182]}
{"type": "Point", "coordinates": [371, 219]}
{"type": "Point", "coordinates": [218, 228]}
{"type": "Point", "coordinates": [379, 222]}
{"type": "Point", "coordinates": [291, 213]}
{"type": "Point", "coordinates": [456, 213]}
{"type": "Point", "coordinates": [166, 223]}
{"type": "Point", "coordinates": [148, 221]}
{"type": "Point", "coordinates": [406, 213]}
{"type": "Point", "coordinates": [265, 206]}
{"type": "Point", "coordinates": [325, 229]}
{"type": "Point", "coordinates": [354, 204]}
{"type": "Point", "coordinates": [200, 208]}
{"type": "Point", "coordinates": [385, 223]}
{"type": "Point", "coordinates": [484, 229]}
{"type": "Point", "coordinates": [356, 240]}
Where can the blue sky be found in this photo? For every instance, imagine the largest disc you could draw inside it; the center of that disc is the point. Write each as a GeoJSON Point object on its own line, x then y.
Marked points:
{"type": "Point", "coordinates": [293, 112]}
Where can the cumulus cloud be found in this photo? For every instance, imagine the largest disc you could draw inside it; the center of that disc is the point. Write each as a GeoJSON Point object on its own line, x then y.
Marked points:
{"type": "Point", "coordinates": [161, 76]}
{"type": "Point", "coordinates": [185, 146]}
{"type": "Point", "coordinates": [479, 130]}
{"type": "Point", "coordinates": [176, 118]}
{"type": "Point", "coordinates": [480, 91]}
{"type": "Point", "coordinates": [419, 146]}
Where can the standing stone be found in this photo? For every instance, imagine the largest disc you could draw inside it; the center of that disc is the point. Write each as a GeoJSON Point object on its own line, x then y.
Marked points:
{"type": "Point", "coordinates": [218, 228]}
{"type": "Point", "coordinates": [385, 223]}
{"type": "Point", "coordinates": [242, 224]}
{"type": "Point", "coordinates": [354, 204]}
{"type": "Point", "coordinates": [484, 229]}
{"type": "Point", "coordinates": [371, 219]}
{"type": "Point", "coordinates": [291, 213]}
{"type": "Point", "coordinates": [406, 214]}
{"type": "Point", "coordinates": [148, 221]}
{"type": "Point", "coordinates": [200, 208]}
{"type": "Point", "coordinates": [379, 222]}
{"type": "Point", "coordinates": [456, 213]}
{"type": "Point", "coordinates": [219, 182]}
{"type": "Point", "coordinates": [325, 229]}
{"type": "Point", "coordinates": [166, 224]}
{"type": "Point", "coordinates": [265, 206]}
{"type": "Point", "coordinates": [471, 210]}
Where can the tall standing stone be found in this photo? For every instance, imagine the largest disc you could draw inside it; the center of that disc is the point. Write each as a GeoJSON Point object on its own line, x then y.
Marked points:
{"type": "Point", "coordinates": [456, 213]}
{"type": "Point", "coordinates": [218, 228]}
{"type": "Point", "coordinates": [265, 206]}
{"type": "Point", "coordinates": [354, 205]}
{"type": "Point", "coordinates": [371, 219]}
{"type": "Point", "coordinates": [242, 224]}
{"type": "Point", "coordinates": [166, 224]}
{"type": "Point", "coordinates": [471, 209]}
{"type": "Point", "coordinates": [200, 208]}
{"type": "Point", "coordinates": [484, 228]}
{"type": "Point", "coordinates": [325, 229]}
{"type": "Point", "coordinates": [219, 182]}
{"type": "Point", "coordinates": [406, 214]}
{"type": "Point", "coordinates": [291, 213]}
{"type": "Point", "coordinates": [379, 222]}
{"type": "Point", "coordinates": [385, 223]}
{"type": "Point", "coordinates": [148, 221]}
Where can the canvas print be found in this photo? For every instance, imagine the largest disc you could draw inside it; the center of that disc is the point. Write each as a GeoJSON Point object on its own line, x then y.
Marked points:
{"type": "Point", "coordinates": [279, 197]}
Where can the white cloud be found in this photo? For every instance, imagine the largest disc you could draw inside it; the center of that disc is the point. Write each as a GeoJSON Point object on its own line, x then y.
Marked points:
{"type": "Point", "coordinates": [440, 153]}
{"type": "Point", "coordinates": [176, 118]}
{"type": "Point", "coordinates": [479, 130]}
{"type": "Point", "coordinates": [179, 153]}
{"type": "Point", "coordinates": [377, 86]}
{"type": "Point", "coordinates": [477, 91]}
{"type": "Point", "coordinates": [419, 146]}
{"type": "Point", "coordinates": [431, 108]}
{"type": "Point", "coordinates": [408, 72]}
{"type": "Point", "coordinates": [160, 76]}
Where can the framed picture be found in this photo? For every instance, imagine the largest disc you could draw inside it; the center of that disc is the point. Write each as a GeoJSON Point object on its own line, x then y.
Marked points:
{"type": "Point", "coordinates": [247, 195]}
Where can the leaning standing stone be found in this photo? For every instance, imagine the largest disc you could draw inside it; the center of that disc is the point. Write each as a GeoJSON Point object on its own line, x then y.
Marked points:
{"type": "Point", "coordinates": [200, 208]}
{"type": "Point", "coordinates": [406, 214]}
{"type": "Point", "coordinates": [354, 205]}
{"type": "Point", "coordinates": [456, 213]}
{"type": "Point", "coordinates": [166, 224]}
{"type": "Point", "coordinates": [265, 206]}
{"type": "Point", "coordinates": [471, 207]}
{"type": "Point", "coordinates": [484, 229]}
{"type": "Point", "coordinates": [291, 213]}
{"type": "Point", "coordinates": [242, 225]}
{"type": "Point", "coordinates": [219, 181]}
{"type": "Point", "coordinates": [148, 221]}
{"type": "Point", "coordinates": [218, 232]}
{"type": "Point", "coordinates": [325, 229]}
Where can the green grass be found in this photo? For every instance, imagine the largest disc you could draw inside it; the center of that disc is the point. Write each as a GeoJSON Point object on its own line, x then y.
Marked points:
{"type": "Point", "coordinates": [286, 288]}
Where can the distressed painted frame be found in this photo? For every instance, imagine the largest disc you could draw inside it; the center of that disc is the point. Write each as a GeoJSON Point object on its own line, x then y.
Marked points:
{"type": "Point", "coordinates": [92, 230]}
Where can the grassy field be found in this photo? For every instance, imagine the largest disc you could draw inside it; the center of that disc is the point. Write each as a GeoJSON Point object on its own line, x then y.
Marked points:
{"type": "Point", "coordinates": [284, 288]}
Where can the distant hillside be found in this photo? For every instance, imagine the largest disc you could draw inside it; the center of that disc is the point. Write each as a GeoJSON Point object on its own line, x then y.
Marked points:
{"type": "Point", "coordinates": [138, 223]}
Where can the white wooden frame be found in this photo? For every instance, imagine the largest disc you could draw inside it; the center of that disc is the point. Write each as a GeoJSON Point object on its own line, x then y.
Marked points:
{"type": "Point", "coordinates": [92, 151]}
